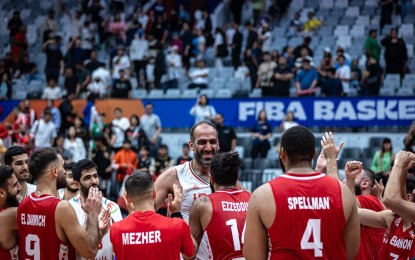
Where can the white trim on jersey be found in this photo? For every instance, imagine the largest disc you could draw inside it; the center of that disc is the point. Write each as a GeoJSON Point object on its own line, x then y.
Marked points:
{"type": "Point", "coordinates": [39, 199]}
{"type": "Point", "coordinates": [229, 192]}
{"type": "Point", "coordinates": [303, 178]}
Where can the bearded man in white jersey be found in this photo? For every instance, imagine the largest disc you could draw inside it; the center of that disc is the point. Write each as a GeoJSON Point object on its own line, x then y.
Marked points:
{"type": "Point", "coordinates": [193, 178]}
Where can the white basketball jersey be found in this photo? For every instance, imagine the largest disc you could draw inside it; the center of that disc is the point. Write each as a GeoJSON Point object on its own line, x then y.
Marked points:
{"type": "Point", "coordinates": [193, 187]}
{"type": "Point", "coordinates": [105, 251]}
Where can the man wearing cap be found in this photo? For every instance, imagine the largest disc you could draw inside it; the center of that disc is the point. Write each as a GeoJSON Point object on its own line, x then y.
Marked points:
{"type": "Point", "coordinates": [306, 79]}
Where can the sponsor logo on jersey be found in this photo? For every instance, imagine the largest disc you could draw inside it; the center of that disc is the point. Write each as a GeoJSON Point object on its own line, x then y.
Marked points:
{"type": "Point", "coordinates": [312, 203]}
{"type": "Point", "coordinates": [398, 221]}
{"type": "Point", "coordinates": [195, 187]}
{"type": "Point", "coordinates": [401, 243]}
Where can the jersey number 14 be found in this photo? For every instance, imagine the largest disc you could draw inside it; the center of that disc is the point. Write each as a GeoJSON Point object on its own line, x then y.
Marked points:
{"type": "Point", "coordinates": [313, 228]}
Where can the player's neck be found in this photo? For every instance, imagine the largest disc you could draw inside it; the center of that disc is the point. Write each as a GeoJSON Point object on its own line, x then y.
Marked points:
{"type": "Point", "coordinates": [144, 206]}
{"type": "Point", "coordinates": [46, 188]}
{"type": "Point", "coordinates": [200, 170]}
{"type": "Point", "coordinates": [225, 188]}
{"type": "Point", "coordinates": [300, 168]}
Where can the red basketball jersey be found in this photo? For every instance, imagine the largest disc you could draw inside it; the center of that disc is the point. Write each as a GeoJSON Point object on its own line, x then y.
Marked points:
{"type": "Point", "coordinates": [371, 239]}
{"type": "Point", "coordinates": [150, 236]}
{"type": "Point", "coordinates": [399, 244]}
{"type": "Point", "coordinates": [36, 229]}
{"type": "Point", "coordinates": [225, 228]}
{"type": "Point", "coordinates": [309, 221]}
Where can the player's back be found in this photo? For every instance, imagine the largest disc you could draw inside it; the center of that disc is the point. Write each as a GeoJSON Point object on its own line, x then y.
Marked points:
{"type": "Point", "coordinates": [37, 231]}
{"type": "Point", "coordinates": [400, 242]}
{"type": "Point", "coordinates": [309, 220]}
{"type": "Point", "coordinates": [225, 228]}
{"type": "Point", "coordinates": [150, 236]}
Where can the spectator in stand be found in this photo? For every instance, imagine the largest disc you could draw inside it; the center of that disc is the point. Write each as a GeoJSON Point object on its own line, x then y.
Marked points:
{"type": "Point", "coordinates": [174, 65]}
{"type": "Point", "coordinates": [332, 86]}
{"type": "Point", "coordinates": [265, 36]}
{"type": "Point", "coordinates": [150, 73]}
{"type": "Point", "coordinates": [50, 26]}
{"type": "Point", "coordinates": [134, 27]}
{"type": "Point", "coordinates": [312, 24]}
{"type": "Point", "coordinates": [56, 114]}
{"type": "Point", "coordinates": [265, 74]}
{"type": "Point", "coordinates": [43, 131]}
{"type": "Point", "coordinates": [14, 24]}
{"type": "Point", "coordinates": [82, 75]}
{"type": "Point", "coordinates": [87, 37]}
{"type": "Point", "coordinates": [236, 46]}
{"type": "Point", "coordinates": [21, 119]}
{"type": "Point", "coordinates": [409, 140]}
{"type": "Point", "coordinates": [226, 135]}
{"type": "Point", "coordinates": [356, 75]}
{"type": "Point", "coordinates": [382, 159]}
{"type": "Point", "coordinates": [109, 136]}
{"type": "Point", "coordinates": [122, 87]}
{"type": "Point", "coordinates": [306, 79]}
{"type": "Point", "coordinates": [372, 78]}
{"type": "Point", "coordinates": [144, 159]}
{"type": "Point", "coordinates": [305, 44]}
{"type": "Point", "coordinates": [19, 45]}
{"type": "Point", "coordinates": [187, 37]}
{"type": "Point", "coordinates": [67, 113]}
{"type": "Point", "coordinates": [158, 9]}
{"type": "Point", "coordinates": [75, 52]}
{"type": "Point", "coordinates": [258, 7]}
{"type": "Point", "coordinates": [250, 62]}
{"type": "Point", "coordinates": [396, 54]}
{"type": "Point", "coordinates": [221, 48]}
{"type": "Point", "coordinates": [161, 162]}
{"type": "Point", "coordinates": [274, 56]}
{"type": "Point", "coordinates": [174, 24]}
{"type": "Point", "coordinates": [58, 145]}
{"type": "Point", "coordinates": [159, 29]}
{"type": "Point", "coordinates": [303, 55]}
{"type": "Point", "coordinates": [261, 132]}
{"type": "Point", "coordinates": [176, 41]}
{"type": "Point", "coordinates": [30, 112]}
{"type": "Point", "coordinates": [282, 78]}
{"type": "Point", "coordinates": [160, 66]}
{"type": "Point", "coordinates": [199, 76]}
{"type": "Point", "coordinates": [295, 26]}
{"type": "Point", "coordinates": [74, 145]}
{"type": "Point", "coordinates": [199, 44]}
{"type": "Point", "coordinates": [136, 134]}
{"type": "Point", "coordinates": [386, 11]}
{"type": "Point", "coordinates": [5, 86]}
{"type": "Point", "coordinates": [52, 91]}
{"type": "Point", "coordinates": [141, 17]}
{"type": "Point", "coordinates": [288, 121]}
{"type": "Point", "coordinates": [185, 157]}
{"type": "Point", "coordinates": [120, 62]}
{"type": "Point", "coordinates": [120, 124]}
{"type": "Point", "coordinates": [151, 125]}
{"type": "Point", "coordinates": [72, 87]}
{"type": "Point", "coordinates": [325, 64]}
{"type": "Point", "coordinates": [54, 60]}
{"type": "Point", "coordinates": [138, 52]}
{"type": "Point", "coordinates": [202, 111]}
{"type": "Point", "coordinates": [183, 13]}
{"type": "Point", "coordinates": [101, 82]}
{"type": "Point", "coordinates": [242, 72]}
{"type": "Point", "coordinates": [76, 24]}
{"type": "Point", "coordinates": [118, 29]}
{"type": "Point", "coordinates": [125, 161]}
{"type": "Point", "coordinates": [372, 47]}
{"type": "Point", "coordinates": [252, 35]}
{"type": "Point", "coordinates": [93, 63]}
{"type": "Point", "coordinates": [101, 155]}
{"type": "Point", "coordinates": [343, 73]}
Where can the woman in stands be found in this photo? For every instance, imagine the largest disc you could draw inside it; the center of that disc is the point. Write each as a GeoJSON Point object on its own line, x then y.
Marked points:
{"type": "Point", "coordinates": [382, 160]}
{"type": "Point", "coordinates": [202, 111]}
{"type": "Point", "coordinates": [261, 132]}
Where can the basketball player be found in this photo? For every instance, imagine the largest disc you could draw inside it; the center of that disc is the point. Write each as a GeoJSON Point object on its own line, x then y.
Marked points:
{"type": "Point", "coordinates": [17, 158]}
{"type": "Point", "coordinates": [9, 188]}
{"type": "Point", "coordinates": [72, 186]}
{"type": "Point", "coordinates": [85, 173]}
{"type": "Point", "coordinates": [145, 233]}
{"type": "Point", "coordinates": [306, 214]}
{"type": "Point", "coordinates": [361, 182]}
{"type": "Point", "coordinates": [222, 214]}
{"type": "Point", "coordinates": [394, 192]}
{"type": "Point", "coordinates": [47, 226]}
{"type": "Point", "coordinates": [399, 241]}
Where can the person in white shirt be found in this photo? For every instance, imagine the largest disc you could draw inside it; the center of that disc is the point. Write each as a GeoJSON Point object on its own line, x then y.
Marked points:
{"type": "Point", "coordinates": [266, 37]}
{"type": "Point", "coordinates": [199, 75]}
{"type": "Point", "coordinates": [72, 186]}
{"type": "Point", "coordinates": [52, 91]}
{"type": "Point", "coordinates": [220, 47]}
{"type": "Point", "coordinates": [120, 62]}
{"type": "Point", "coordinates": [138, 52]}
{"type": "Point", "coordinates": [242, 72]}
{"type": "Point", "coordinates": [119, 125]}
{"type": "Point", "coordinates": [151, 125]}
{"type": "Point", "coordinates": [174, 63]}
{"type": "Point", "coordinates": [343, 73]}
{"type": "Point", "coordinates": [76, 24]}
{"type": "Point", "coordinates": [202, 111]}
{"type": "Point", "coordinates": [101, 82]}
{"type": "Point", "coordinates": [74, 145]}
{"type": "Point", "coordinates": [85, 173]}
{"type": "Point", "coordinates": [44, 131]}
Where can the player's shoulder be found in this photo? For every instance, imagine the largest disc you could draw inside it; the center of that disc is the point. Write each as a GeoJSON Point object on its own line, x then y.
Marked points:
{"type": "Point", "coordinates": [262, 194]}
{"type": "Point", "coordinates": [169, 176]}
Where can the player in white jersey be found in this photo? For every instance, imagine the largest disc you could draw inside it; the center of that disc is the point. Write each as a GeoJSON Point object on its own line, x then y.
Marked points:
{"type": "Point", "coordinates": [85, 172]}
{"type": "Point", "coordinates": [193, 178]}
{"type": "Point", "coordinates": [17, 158]}
{"type": "Point", "coordinates": [72, 186]}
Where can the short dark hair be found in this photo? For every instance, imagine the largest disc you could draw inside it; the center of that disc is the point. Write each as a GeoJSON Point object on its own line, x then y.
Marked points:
{"type": "Point", "coordinates": [410, 184]}
{"type": "Point", "coordinates": [370, 175]}
{"type": "Point", "coordinates": [5, 174]}
{"type": "Point", "coordinates": [80, 166]}
{"type": "Point", "coordinates": [192, 130]}
{"type": "Point", "coordinates": [225, 167]}
{"type": "Point", "coordinates": [138, 184]}
{"type": "Point", "coordinates": [299, 144]}
{"type": "Point", "coordinates": [11, 152]}
{"type": "Point", "coordinates": [40, 160]}
{"type": "Point", "coordinates": [117, 109]}
{"type": "Point", "coordinates": [68, 166]}
{"type": "Point", "coordinates": [185, 145]}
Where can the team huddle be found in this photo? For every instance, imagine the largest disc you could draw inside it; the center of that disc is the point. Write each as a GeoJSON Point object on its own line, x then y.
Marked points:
{"type": "Point", "coordinates": [306, 213]}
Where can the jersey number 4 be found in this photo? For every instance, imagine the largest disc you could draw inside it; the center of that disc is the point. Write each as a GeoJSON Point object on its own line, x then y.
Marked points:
{"type": "Point", "coordinates": [313, 229]}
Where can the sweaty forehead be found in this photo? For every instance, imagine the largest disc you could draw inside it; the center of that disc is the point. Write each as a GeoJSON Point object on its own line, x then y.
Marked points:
{"type": "Point", "coordinates": [205, 132]}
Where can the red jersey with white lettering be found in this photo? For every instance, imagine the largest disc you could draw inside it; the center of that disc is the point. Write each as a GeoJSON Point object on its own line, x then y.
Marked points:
{"type": "Point", "coordinates": [150, 236]}
{"type": "Point", "coordinates": [38, 239]}
{"type": "Point", "coordinates": [371, 239]}
{"type": "Point", "coordinates": [309, 221]}
{"type": "Point", "coordinates": [8, 254]}
{"type": "Point", "coordinates": [225, 228]}
{"type": "Point", "coordinates": [399, 244]}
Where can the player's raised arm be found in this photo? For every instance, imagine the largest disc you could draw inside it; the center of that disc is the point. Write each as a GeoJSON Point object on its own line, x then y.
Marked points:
{"type": "Point", "coordinates": [393, 191]}
{"type": "Point", "coordinates": [375, 219]}
{"type": "Point", "coordinates": [164, 185]}
{"type": "Point", "coordinates": [85, 241]}
{"type": "Point", "coordinates": [352, 169]}
{"type": "Point", "coordinates": [327, 160]}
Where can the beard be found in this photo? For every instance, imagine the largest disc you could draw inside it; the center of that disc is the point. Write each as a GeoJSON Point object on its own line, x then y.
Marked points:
{"type": "Point", "coordinates": [199, 157]}
{"type": "Point", "coordinates": [357, 190]}
{"type": "Point", "coordinates": [11, 200]}
{"type": "Point", "coordinates": [61, 182]}
{"type": "Point", "coordinates": [69, 188]}
{"type": "Point", "coordinates": [85, 190]}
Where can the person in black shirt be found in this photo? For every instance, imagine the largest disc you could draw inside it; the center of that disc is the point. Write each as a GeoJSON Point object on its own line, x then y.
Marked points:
{"type": "Point", "coordinates": [282, 78]}
{"type": "Point", "coordinates": [54, 60]}
{"type": "Point", "coordinates": [144, 159]}
{"type": "Point", "coordinates": [122, 87]}
{"type": "Point", "coordinates": [236, 46]}
{"type": "Point", "coordinates": [252, 35]}
{"type": "Point", "coordinates": [185, 155]}
{"type": "Point", "coordinates": [101, 156]}
{"type": "Point", "coordinates": [14, 23]}
{"type": "Point", "coordinates": [187, 37]}
{"type": "Point", "coordinates": [93, 63]}
{"type": "Point", "coordinates": [71, 83]}
{"type": "Point", "coordinates": [305, 44]}
{"type": "Point", "coordinates": [226, 135]}
{"type": "Point", "coordinates": [332, 87]}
